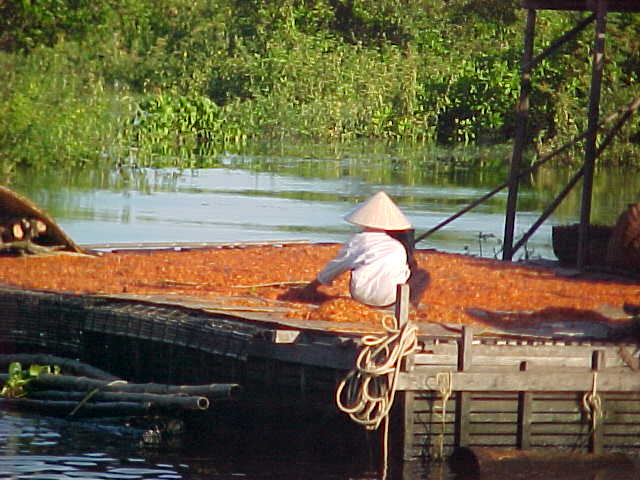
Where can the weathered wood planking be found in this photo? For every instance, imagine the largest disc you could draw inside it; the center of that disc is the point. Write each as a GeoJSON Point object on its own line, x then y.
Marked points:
{"type": "Point", "coordinates": [539, 354]}
{"type": "Point", "coordinates": [556, 420]}
{"type": "Point", "coordinates": [528, 381]}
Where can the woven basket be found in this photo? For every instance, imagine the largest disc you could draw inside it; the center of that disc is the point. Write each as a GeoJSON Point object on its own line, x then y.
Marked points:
{"type": "Point", "coordinates": [624, 246]}
{"type": "Point", "coordinates": [565, 243]}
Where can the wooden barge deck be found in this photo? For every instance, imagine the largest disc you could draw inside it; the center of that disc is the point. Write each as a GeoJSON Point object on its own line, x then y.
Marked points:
{"type": "Point", "coordinates": [568, 385]}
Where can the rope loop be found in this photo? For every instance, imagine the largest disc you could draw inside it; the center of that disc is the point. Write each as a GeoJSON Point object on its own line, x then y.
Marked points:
{"type": "Point", "coordinates": [592, 403]}
{"type": "Point", "coordinates": [366, 394]}
{"type": "Point", "coordinates": [444, 383]}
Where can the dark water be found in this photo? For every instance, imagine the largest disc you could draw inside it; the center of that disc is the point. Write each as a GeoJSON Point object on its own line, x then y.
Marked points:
{"type": "Point", "coordinates": [46, 448]}
{"type": "Point", "coordinates": [275, 197]}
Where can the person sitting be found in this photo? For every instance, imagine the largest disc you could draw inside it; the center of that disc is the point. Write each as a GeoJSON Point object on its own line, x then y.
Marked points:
{"type": "Point", "coordinates": [377, 259]}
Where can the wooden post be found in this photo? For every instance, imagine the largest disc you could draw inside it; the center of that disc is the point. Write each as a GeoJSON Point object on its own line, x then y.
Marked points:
{"type": "Point", "coordinates": [405, 398]}
{"type": "Point", "coordinates": [402, 304]}
{"type": "Point", "coordinates": [524, 416]}
{"type": "Point", "coordinates": [590, 143]}
{"type": "Point", "coordinates": [520, 136]}
{"type": "Point", "coordinates": [409, 452]}
{"type": "Point", "coordinates": [463, 399]}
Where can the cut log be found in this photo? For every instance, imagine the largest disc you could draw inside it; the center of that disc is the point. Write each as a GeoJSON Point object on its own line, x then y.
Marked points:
{"type": "Point", "coordinates": [17, 231]}
{"type": "Point", "coordinates": [506, 463]}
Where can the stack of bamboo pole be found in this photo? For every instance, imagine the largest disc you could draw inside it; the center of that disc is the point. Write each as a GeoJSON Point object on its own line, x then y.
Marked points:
{"type": "Point", "coordinates": [92, 392]}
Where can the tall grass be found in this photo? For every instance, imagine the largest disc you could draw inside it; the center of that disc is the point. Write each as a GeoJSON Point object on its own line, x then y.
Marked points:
{"type": "Point", "coordinates": [178, 81]}
{"type": "Point", "coordinates": [55, 112]}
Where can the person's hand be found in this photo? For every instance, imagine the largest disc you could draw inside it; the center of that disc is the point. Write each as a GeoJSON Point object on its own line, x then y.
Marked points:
{"type": "Point", "coordinates": [308, 293]}
{"type": "Point", "coordinates": [310, 289]}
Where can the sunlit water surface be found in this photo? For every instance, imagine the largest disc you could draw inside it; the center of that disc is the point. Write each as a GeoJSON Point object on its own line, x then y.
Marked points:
{"type": "Point", "coordinates": [278, 198]}
{"type": "Point", "coordinates": [249, 199]}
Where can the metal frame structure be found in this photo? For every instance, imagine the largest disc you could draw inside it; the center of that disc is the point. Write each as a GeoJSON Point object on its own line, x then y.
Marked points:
{"type": "Point", "coordinates": [600, 8]}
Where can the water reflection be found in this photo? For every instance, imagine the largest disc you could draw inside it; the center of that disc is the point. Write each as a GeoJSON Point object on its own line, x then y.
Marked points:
{"type": "Point", "coordinates": [282, 197]}
{"type": "Point", "coordinates": [44, 448]}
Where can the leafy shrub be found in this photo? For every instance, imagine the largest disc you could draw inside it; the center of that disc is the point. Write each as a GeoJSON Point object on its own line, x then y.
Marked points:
{"type": "Point", "coordinates": [84, 81]}
{"type": "Point", "coordinates": [184, 126]}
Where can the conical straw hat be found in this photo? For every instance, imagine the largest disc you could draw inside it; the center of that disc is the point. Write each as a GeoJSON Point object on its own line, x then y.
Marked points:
{"type": "Point", "coordinates": [379, 212]}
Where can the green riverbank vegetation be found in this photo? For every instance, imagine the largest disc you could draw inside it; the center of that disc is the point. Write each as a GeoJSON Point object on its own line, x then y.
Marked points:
{"type": "Point", "coordinates": [174, 82]}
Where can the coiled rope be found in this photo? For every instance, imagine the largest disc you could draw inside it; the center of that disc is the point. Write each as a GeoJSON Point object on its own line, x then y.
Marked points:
{"type": "Point", "coordinates": [366, 394]}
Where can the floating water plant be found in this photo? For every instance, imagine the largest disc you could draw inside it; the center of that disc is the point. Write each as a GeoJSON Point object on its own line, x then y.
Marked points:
{"type": "Point", "coordinates": [16, 385]}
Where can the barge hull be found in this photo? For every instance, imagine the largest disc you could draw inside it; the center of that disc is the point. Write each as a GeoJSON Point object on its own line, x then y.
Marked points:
{"type": "Point", "coordinates": [457, 390]}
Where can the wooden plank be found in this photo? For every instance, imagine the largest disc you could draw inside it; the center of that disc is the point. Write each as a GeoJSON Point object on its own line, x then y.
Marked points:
{"type": "Point", "coordinates": [617, 409]}
{"type": "Point", "coordinates": [559, 428]}
{"type": "Point", "coordinates": [619, 442]}
{"type": "Point", "coordinates": [623, 397]}
{"type": "Point", "coordinates": [530, 381]}
{"type": "Point", "coordinates": [431, 402]}
{"type": "Point", "coordinates": [429, 437]}
{"type": "Point", "coordinates": [431, 346]}
{"type": "Point", "coordinates": [542, 356]}
{"type": "Point", "coordinates": [495, 417]}
{"type": "Point", "coordinates": [434, 359]}
{"type": "Point", "coordinates": [435, 428]}
{"type": "Point", "coordinates": [556, 406]}
{"type": "Point", "coordinates": [559, 441]}
{"type": "Point", "coordinates": [621, 429]}
{"type": "Point", "coordinates": [434, 409]}
{"type": "Point", "coordinates": [535, 362]}
{"type": "Point", "coordinates": [491, 428]}
{"type": "Point", "coordinates": [564, 417]}
{"type": "Point", "coordinates": [494, 403]}
{"type": "Point", "coordinates": [493, 441]}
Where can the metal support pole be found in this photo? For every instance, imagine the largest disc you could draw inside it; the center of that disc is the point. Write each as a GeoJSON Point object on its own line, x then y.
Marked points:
{"type": "Point", "coordinates": [590, 145]}
{"type": "Point", "coordinates": [520, 136]}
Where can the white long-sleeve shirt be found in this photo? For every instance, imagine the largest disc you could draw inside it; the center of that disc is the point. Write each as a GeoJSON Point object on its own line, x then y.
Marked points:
{"type": "Point", "coordinates": [378, 263]}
